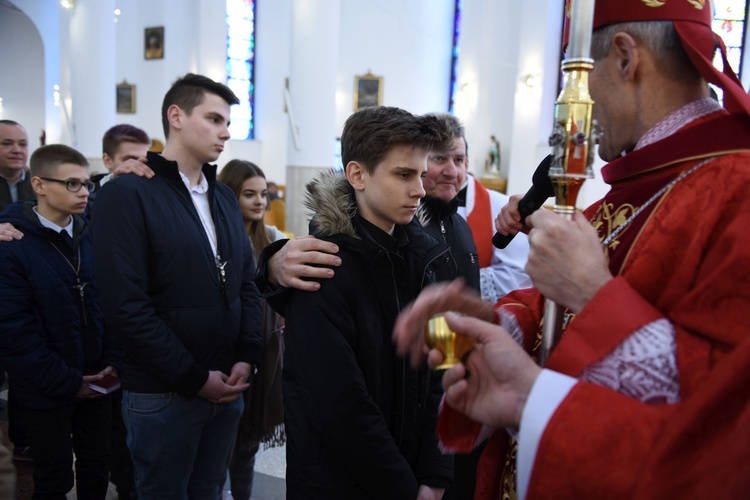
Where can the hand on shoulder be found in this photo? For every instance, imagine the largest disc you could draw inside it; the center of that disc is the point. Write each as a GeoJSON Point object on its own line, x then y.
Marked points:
{"type": "Point", "coordinates": [299, 260]}
{"type": "Point", "coordinates": [137, 167]}
{"type": "Point", "coordinates": [8, 232]}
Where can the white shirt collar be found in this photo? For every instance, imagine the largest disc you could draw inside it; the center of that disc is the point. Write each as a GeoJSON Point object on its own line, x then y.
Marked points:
{"type": "Point", "coordinates": [48, 223]}
{"type": "Point", "coordinates": [201, 187]}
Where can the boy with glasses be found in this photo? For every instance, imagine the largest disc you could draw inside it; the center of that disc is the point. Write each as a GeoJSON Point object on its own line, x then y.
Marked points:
{"type": "Point", "coordinates": [52, 340]}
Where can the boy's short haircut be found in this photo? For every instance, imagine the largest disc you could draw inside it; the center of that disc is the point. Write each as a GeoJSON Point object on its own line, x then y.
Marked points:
{"type": "Point", "coordinates": [122, 133]}
{"type": "Point", "coordinates": [9, 122]}
{"type": "Point", "coordinates": [45, 160]}
{"type": "Point", "coordinates": [371, 132]}
{"type": "Point", "coordinates": [189, 92]}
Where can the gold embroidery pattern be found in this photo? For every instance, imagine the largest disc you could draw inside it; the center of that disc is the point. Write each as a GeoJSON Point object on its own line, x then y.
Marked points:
{"type": "Point", "coordinates": [607, 219]}
{"type": "Point", "coordinates": [698, 4]}
{"type": "Point", "coordinates": [507, 489]}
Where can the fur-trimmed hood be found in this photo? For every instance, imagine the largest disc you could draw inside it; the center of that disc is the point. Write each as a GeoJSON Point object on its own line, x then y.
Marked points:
{"type": "Point", "coordinates": [330, 197]}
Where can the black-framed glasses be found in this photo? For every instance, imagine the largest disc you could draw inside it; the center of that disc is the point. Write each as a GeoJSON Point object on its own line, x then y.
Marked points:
{"type": "Point", "coordinates": [73, 185]}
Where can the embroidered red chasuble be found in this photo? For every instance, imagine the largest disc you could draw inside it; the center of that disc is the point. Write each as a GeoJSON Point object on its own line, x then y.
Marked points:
{"type": "Point", "coordinates": [686, 258]}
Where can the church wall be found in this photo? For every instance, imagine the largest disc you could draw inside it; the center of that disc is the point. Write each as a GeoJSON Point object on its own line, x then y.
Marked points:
{"type": "Point", "coordinates": [407, 43]}
{"type": "Point", "coordinates": [22, 81]}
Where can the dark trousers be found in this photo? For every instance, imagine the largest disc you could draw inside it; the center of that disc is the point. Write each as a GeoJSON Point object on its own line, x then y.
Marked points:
{"type": "Point", "coordinates": [16, 432]}
{"type": "Point", "coordinates": [121, 471]}
{"type": "Point", "coordinates": [82, 428]}
{"type": "Point", "coordinates": [242, 470]}
{"type": "Point", "coordinates": [464, 475]}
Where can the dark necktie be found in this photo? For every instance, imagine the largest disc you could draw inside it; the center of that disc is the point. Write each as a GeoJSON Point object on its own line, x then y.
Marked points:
{"type": "Point", "coordinates": [66, 236]}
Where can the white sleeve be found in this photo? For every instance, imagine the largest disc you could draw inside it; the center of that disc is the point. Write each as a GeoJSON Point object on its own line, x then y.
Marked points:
{"type": "Point", "coordinates": [274, 234]}
{"type": "Point", "coordinates": [549, 390]}
{"type": "Point", "coordinates": [507, 270]}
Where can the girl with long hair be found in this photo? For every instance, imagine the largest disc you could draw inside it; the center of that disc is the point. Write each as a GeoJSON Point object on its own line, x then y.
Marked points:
{"type": "Point", "coordinates": [263, 420]}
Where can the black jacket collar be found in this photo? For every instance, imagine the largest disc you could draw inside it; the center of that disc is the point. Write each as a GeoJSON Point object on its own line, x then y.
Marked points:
{"type": "Point", "coordinates": [169, 169]}
{"type": "Point", "coordinates": [440, 209]}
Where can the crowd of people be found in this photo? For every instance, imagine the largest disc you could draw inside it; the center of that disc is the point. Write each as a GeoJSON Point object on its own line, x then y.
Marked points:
{"type": "Point", "coordinates": [186, 361]}
{"type": "Point", "coordinates": [223, 334]}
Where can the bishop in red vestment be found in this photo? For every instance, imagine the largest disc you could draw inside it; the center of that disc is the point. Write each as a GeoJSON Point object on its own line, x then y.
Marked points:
{"type": "Point", "coordinates": [657, 340]}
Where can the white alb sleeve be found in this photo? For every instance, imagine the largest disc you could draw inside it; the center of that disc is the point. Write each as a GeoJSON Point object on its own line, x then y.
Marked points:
{"type": "Point", "coordinates": [548, 391]}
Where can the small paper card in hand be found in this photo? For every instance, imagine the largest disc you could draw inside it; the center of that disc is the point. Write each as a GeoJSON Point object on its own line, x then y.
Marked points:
{"type": "Point", "coordinates": [106, 385]}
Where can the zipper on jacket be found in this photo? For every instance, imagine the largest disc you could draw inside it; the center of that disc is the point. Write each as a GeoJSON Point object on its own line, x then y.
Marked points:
{"type": "Point", "coordinates": [402, 410]}
{"type": "Point", "coordinates": [450, 256]}
{"type": "Point", "coordinates": [428, 381]}
{"type": "Point", "coordinates": [433, 259]}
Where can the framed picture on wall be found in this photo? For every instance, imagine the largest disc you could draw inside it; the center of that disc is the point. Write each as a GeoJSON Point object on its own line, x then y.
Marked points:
{"type": "Point", "coordinates": [154, 43]}
{"type": "Point", "coordinates": [368, 91]}
{"type": "Point", "coordinates": [125, 98]}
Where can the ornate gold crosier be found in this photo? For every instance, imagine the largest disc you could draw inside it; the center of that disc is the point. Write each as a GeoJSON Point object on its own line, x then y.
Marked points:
{"type": "Point", "coordinates": [572, 140]}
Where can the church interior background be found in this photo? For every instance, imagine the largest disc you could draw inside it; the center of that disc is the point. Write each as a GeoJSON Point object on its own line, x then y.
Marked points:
{"type": "Point", "coordinates": [74, 68]}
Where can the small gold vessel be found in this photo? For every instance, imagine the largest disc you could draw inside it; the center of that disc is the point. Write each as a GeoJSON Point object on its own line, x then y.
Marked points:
{"type": "Point", "coordinates": [438, 335]}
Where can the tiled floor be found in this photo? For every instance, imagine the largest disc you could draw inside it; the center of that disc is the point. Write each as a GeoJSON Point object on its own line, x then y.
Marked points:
{"type": "Point", "coordinates": [270, 471]}
{"type": "Point", "coordinates": [269, 484]}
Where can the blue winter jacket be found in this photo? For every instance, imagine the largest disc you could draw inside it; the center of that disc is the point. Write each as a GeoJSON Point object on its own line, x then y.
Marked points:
{"type": "Point", "coordinates": [51, 324]}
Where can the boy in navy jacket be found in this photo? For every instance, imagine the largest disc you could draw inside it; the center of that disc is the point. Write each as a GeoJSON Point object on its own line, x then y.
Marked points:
{"type": "Point", "coordinates": [52, 340]}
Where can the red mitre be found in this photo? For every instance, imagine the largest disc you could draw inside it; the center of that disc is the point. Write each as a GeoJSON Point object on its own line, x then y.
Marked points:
{"type": "Point", "coordinates": [692, 21]}
{"type": "Point", "coordinates": [622, 11]}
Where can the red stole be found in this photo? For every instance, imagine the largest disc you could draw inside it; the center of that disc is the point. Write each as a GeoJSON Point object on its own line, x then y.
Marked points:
{"type": "Point", "coordinates": [480, 222]}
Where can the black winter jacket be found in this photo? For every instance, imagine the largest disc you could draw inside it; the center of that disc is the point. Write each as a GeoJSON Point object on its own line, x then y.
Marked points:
{"type": "Point", "coordinates": [51, 328]}
{"type": "Point", "coordinates": [445, 224]}
{"type": "Point", "coordinates": [360, 422]}
{"type": "Point", "coordinates": [160, 287]}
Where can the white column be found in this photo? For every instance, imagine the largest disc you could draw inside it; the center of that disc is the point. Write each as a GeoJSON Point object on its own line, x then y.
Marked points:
{"type": "Point", "coordinates": [314, 58]}
{"type": "Point", "coordinates": [92, 73]}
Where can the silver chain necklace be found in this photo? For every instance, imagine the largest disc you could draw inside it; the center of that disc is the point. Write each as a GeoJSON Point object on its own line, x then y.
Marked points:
{"type": "Point", "coordinates": [656, 196]}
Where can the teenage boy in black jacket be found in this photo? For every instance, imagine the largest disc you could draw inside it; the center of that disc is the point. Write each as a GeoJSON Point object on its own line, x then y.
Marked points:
{"type": "Point", "coordinates": [360, 423]}
{"type": "Point", "coordinates": [176, 270]}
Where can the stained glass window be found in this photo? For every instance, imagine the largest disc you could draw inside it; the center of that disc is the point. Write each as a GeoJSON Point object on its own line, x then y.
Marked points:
{"type": "Point", "coordinates": [241, 65]}
{"type": "Point", "coordinates": [454, 59]}
{"type": "Point", "coordinates": [730, 19]}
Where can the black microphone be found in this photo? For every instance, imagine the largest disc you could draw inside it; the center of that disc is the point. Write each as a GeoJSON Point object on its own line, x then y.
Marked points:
{"type": "Point", "coordinates": [541, 189]}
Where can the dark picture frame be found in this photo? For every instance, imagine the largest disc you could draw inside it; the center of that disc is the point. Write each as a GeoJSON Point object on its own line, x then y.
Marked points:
{"type": "Point", "coordinates": [125, 98]}
{"type": "Point", "coordinates": [153, 43]}
{"type": "Point", "coordinates": [368, 91]}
